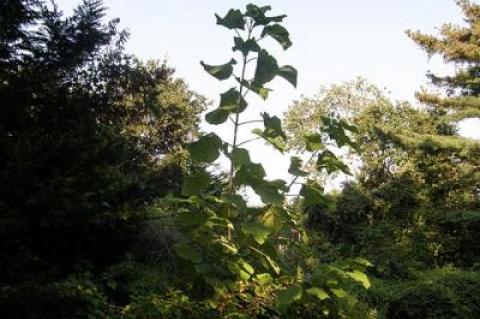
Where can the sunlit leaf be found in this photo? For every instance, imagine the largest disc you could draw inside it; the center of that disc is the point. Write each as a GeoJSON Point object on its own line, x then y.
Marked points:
{"type": "Point", "coordinates": [359, 277]}
{"type": "Point", "coordinates": [318, 292]}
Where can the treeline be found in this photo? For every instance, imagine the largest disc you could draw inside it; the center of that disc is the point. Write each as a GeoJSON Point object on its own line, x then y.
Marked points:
{"type": "Point", "coordinates": [109, 208]}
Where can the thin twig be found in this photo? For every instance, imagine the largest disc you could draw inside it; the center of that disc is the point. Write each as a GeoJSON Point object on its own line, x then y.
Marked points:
{"type": "Point", "coordinates": [304, 165]}
{"type": "Point", "coordinates": [249, 122]}
{"type": "Point", "coordinates": [248, 141]}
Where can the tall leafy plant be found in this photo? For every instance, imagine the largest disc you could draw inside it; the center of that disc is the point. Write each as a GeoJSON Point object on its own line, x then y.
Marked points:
{"type": "Point", "coordinates": [236, 252]}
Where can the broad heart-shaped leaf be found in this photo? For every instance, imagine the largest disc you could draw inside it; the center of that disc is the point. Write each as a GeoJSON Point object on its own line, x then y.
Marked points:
{"type": "Point", "coordinates": [269, 192]}
{"type": "Point", "coordinates": [245, 47]}
{"type": "Point", "coordinates": [266, 70]}
{"type": "Point", "coordinates": [258, 15]}
{"type": "Point", "coordinates": [230, 101]}
{"type": "Point", "coordinates": [249, 174]}
{"type": "Point", "coordinates": [359, 277]}
{"type": "Point", "coordinates": [258, 231]}
{"type": "Point", "coordinates": [206, 149]}
{"type": "Point", "coordinates": [239, 157]}
{"type": "Point", "coordinates": [188, 252]}
{"type": "Point", "coordinates": [195, 184]}
{"type": "Point", "coordinates": [276, 141]}
{"type": "Point", "coordinates": [313, 142]}
{"type": "Point", "coordinates": [289, 73]}
{"type": "Point", "coordinates": [217, 116]}
{"type": "Point", "coordinates": [236, 200]}
{"type": "Point", "coordinates": [318, 292]}
{"type": "Point", "coordinates": [279, 33]}
{"type": "Point", "coordinates": [328, 161]}
{"type": "Point", "coordinates": [221, 72]}
{"type": "Point", "coordinates": [313, 195]}
{"type": "Point", "coordinates": [254, 87]}
{"type": "Point", "coordinates": [336, 131]}
{"type": "Point", "coordinates": [362, 261]}
{"type": "Point", "coordinates": [295, 168]}
{"type": "Point", "coordinates": [253, 174]}
{"type": "Point", "coordinates": [288, 296]}
{"type": "Point", "coordinates": [233, 20]}
{"type": "Point", "coordinates": [272, 132]}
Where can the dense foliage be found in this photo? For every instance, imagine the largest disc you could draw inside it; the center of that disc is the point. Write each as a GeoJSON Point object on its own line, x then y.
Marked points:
{"type": "Point", "coordinates": [112, 205]}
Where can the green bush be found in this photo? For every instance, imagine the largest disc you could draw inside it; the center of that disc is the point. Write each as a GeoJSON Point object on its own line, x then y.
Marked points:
{"type": "Point", "coordinates": [72, 298]}
{"type": "Point", "coordinates": [442, 293]}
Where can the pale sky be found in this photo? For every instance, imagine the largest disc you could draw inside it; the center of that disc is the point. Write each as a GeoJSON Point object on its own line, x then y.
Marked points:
{"type": "Point", "coordinates": [333, 41]}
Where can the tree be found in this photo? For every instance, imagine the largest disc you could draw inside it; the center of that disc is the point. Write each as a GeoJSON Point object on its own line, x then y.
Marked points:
{"type": "Point", "coordinates": [458, 45]}
{"type": "Point", "coordinates": [83, 126]}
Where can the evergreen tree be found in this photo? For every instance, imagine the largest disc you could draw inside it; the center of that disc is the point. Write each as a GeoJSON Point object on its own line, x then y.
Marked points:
{"type": "Point", "coordinates": [460, 99]}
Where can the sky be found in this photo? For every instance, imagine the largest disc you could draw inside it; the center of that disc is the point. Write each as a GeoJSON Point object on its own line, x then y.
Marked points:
{"type": "Point", "coordinates": [333, 41]}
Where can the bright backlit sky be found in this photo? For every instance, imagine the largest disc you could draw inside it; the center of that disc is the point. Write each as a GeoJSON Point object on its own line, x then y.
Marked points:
{"type": "Point", "coordinates": [333, 41]}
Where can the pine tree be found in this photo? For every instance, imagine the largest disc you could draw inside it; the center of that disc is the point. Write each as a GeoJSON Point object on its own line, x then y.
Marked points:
{"type": "Point", "coordinates": [456, 162]}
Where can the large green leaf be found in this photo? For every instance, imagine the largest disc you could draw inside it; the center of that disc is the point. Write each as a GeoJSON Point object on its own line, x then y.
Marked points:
{"type": "Point", "coordinates": [236, 200]}
{"type": "Point", "coordinates": [272, 132]}
{"type": "Point", "coordinates": [288, 296]}
{"type": "Point", "coordinates": [221, 72]}
{"type": "Point", "coordinates": [279, 33]}
{"type": "Point", "coordinates": [336, 130]}
{"type": "Point", "coordinates": [289, 73]}
{"type": "Point", "coordinates": [195, 184]}
{"type": "Point", "coordinates": [259, 17]}
{"type": "Point", "coordinates": [269, 192]}
{"type": "Point", "coordinates": [328, 161]}
{"type": "Point", "coordinates": [230, 102]}
{"type": "Point", "coordinates": [206, 149]}
{"type": "Point", "coordinates": [260, 90]}
{"type": "Point", "coordinates": [313, 142]}
{"type": "Point", "coordinates": [267, 68]}
{"type": "Point", "coordinates": [258, 231]}
{"type": "Point", "coordinates": [249, 174]}
{"type": "Point", "coordinates": [295, 168]}
{"type": "Point", "coordinates": [188, 252]}
{"type": "Point", "coordinates": [233, 20]}
{"type": "Point", "coordinates": [359, 277]}
{"type": "Point", "coordinates": [313, 195]}
{"type": "Point", "coordinates": [245, 47]}
{"type": "Point", "coordinates": [217, 116]}
{"type": "Point", "coordinates": [318, 292]}
{"type": "Point", "coordinates": [239, 157]}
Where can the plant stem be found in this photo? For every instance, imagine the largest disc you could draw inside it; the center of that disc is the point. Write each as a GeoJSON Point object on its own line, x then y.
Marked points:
{"type": "Point", "coordinates": [231, 187]}
{"type": "Point", "coordinates": [304, 165]}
